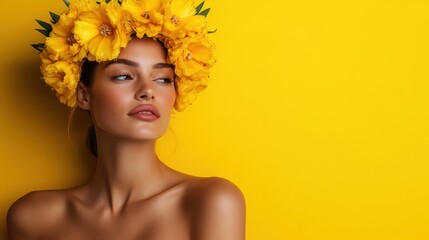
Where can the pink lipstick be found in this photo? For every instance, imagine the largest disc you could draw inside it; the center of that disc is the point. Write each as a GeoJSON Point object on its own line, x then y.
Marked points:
{"type": "Point", "coordinates": [145, 112]}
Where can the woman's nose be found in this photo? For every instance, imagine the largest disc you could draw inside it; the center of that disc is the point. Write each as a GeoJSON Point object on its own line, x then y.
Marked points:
{"type": "Point", "coordinates": [145, 92]}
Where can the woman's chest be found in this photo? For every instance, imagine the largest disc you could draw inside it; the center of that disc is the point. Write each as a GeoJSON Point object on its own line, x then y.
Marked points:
{"type": "Point", "coordinates": [134, 231]}
{"type": "Point", "coordinates": [148, 222]}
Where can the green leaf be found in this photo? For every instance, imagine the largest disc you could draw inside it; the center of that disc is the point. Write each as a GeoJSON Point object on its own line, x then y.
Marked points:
{"type": "Point", "coordinates": [44, 32]}
{"type": "Point", "coordinates": [45, 25]}
{"type": "Point", "coordinates": [38, 46]}
{"type": "Point", "coordinates": [205, 12]}
{"type": "Point", "coordinates": [66, 2]}
{"type": "Point", "coordinates": [210, 32]}
{"type": "Point", "coordinates": [199, 7]}
{"type": "Point", "coordinates": [55, 17]}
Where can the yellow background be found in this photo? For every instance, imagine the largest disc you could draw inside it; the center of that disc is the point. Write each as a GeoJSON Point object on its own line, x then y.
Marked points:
{"type": "Point", "coordinates": [317, 110]}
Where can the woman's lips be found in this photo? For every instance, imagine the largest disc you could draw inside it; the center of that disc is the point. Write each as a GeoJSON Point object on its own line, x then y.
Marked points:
{"type": "Point", "coordinates": [145, 112]}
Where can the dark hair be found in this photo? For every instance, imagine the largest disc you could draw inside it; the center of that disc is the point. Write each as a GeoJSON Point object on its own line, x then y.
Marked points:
{"type": "Point", "coordinates": [86, 76]}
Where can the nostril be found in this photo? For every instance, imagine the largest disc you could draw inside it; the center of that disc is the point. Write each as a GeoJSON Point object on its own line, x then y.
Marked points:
{"type": "Point", "coordinates": [147, 95]}
{"type": "Point", "coordinates": [144, 93]}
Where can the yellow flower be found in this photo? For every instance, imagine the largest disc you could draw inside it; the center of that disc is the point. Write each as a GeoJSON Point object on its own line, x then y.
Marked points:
{"type": "Point", "coordinates": [194, 57]}
{"type": "Point", "coordinates": [78, 6]}
{"type": "Point", "coordinates": [103, 31]}
{"type": "Point", "coordinates": [181, 21]}
{"type": "Point", "coordinates": [147, 15]}
{"type": "Point", "coordinates": [186, 92]}
{"type": "Point", "coordinates": [97, 31]}
{"type": "Point", "coordinates": [62, 44]}
{"type": "Point", "coordinates": [62, 77]}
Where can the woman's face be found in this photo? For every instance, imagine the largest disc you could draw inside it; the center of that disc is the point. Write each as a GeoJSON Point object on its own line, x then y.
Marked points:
{"type": "Point", "coordinates": [132, 97]}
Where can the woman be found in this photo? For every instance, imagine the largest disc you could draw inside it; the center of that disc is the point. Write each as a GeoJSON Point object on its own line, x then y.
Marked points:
{"type": "Point", "coordinates": [132, 194]}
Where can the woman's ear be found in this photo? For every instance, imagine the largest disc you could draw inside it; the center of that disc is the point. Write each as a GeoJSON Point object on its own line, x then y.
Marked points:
{"type": "Point", "coordinates": [83, 97]}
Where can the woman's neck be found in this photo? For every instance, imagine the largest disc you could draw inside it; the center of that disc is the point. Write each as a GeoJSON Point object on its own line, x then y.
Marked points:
{"type": "Point", "coordinates": [127, 171]}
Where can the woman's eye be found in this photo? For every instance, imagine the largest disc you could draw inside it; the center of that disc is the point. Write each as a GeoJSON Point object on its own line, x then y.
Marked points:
{"type": "Point", "coordinates": [165, 80]}
{"type": "Point", "coordinates": [122, 77]}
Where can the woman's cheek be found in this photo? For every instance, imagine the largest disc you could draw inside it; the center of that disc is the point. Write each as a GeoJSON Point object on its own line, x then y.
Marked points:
{"type": "Point", "coordinates": [108, 104]}
{"type": "Point", "coordinates": [169, 96]}
{"type": "Point", "coordinates": [109, 97]}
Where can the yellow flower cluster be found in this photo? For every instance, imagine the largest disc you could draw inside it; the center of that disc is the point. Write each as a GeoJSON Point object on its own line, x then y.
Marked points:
{"type": "Point", "coordinates": [97, 31]}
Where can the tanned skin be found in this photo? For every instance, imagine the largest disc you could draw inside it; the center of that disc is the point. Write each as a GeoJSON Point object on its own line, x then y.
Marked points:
{"type": "Point", "coordinates": [132, 194]}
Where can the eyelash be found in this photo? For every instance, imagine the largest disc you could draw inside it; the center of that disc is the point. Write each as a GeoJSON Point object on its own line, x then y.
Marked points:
{"type": "Point", "coordinates": [166, 80]}
{"type": "Point", "coordinates": [120, 77]}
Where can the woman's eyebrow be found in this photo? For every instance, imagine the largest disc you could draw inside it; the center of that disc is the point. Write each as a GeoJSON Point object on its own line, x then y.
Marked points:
{"type": "Point", "coordinates": [135, 64]}
{"type": "Point", "coordinates": [163, 65]}
{"type": "Point", "coordinates": [122, 61]}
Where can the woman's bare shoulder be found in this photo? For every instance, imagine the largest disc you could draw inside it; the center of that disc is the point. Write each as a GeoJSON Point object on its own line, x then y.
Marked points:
{"type": "Point", "coordinates": [217, 207]}
{"type": "Point", "coordinates": [211, 188]}
{"type": "Point", "coordinates": [35, 212]}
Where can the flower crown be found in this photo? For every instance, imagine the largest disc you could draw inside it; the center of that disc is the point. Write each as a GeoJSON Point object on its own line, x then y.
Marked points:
{"type": "Point", "coordinates": [97, 31]}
